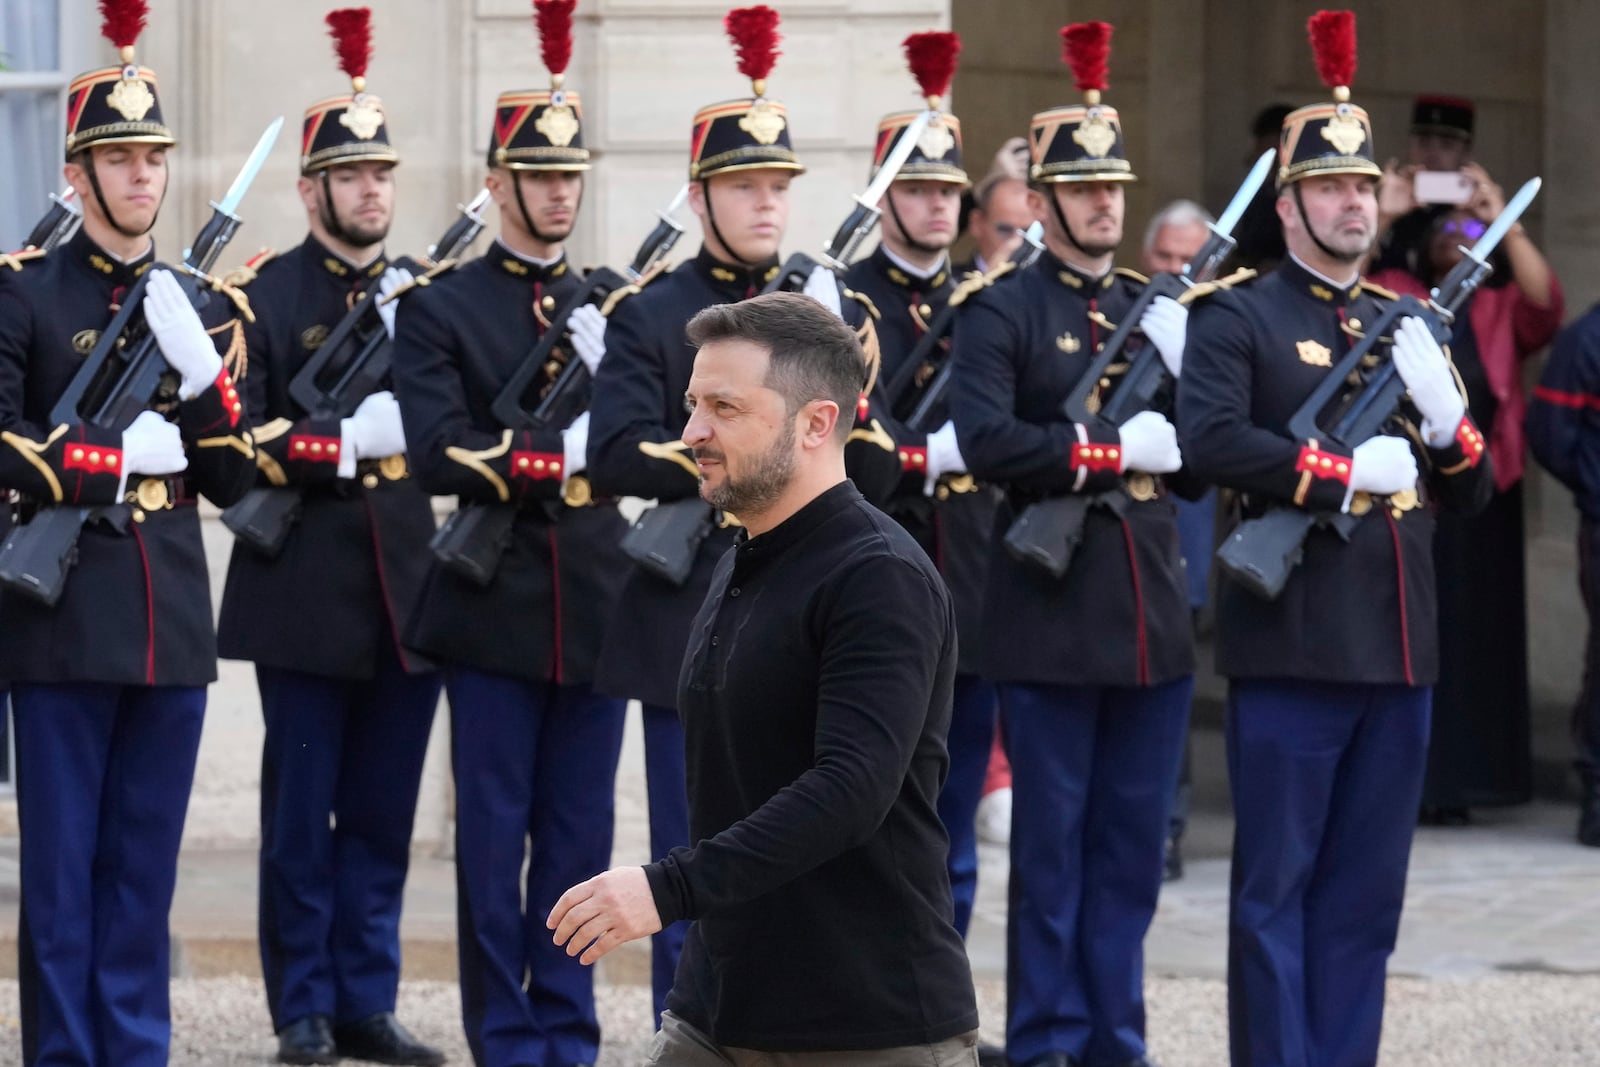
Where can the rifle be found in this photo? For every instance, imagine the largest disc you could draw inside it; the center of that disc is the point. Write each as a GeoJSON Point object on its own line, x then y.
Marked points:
{"type": "Point", "coordinates": [1261, 552]}
{"type": "Point", "coordinates": [1048, 531]}
{"type": "Point", "coordinates": [58, 224]}
{"type": "Point", "coordinates": [113, 386]}
{"type": "Point", "coordinates": [902, 388]}
{"type": "Point", "coordinates": [473, 539]}
{"type": "Point", "coordinates": [841, 247]}
{"type": "Point", "coordinates": [349, 366]}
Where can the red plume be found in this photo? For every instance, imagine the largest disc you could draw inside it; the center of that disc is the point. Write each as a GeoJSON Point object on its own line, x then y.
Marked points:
{"type": "Point", "coordinates": [351, 30]}
{"type": "Point", "coordinates": [554, 20]}
{"type": "Point", "coordinates": [1333, 43]}
{"type": "Point", "coordinates": [932, 57]}
{"type": "Point", "coordinates": [123, 20]}
{"type": "Point", "coordinates": [1085, 47]}
{"type": "Point", "coordinates": [754, 31]}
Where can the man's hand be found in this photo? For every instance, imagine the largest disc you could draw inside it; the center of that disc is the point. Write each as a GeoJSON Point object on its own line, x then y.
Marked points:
{"type": "Point", "coordinates": [609, 909]}
{"type": "Point", "coordinates": [393, 278]}
{"type": "Point", "coordinates": [1426, 372]}
{"type": "Point", "coordinates": [1488, 199]}
{"type": "Point", "coordinates": [1395, 193]}
{"type": "Point", "coordinates": [1165, 324]}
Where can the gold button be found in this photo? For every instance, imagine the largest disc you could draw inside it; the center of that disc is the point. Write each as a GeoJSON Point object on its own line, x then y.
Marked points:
{"type": "Point", "coordinates": [370, 481]}
{"type": "Point", "coordinates": [77, 453]}
{"type": "Point", "coordinates": [94, 457]}
{"type": "Point", "coordinates": [1111, 453]}
{"type": "Point", "coordinates": [299, 446]}
{"type": "Point", "coordinates": [548, 303]}
{"type": "Point", "coordinates": [917, 458]}
{"type": "Point", "coordinates": [237, 409]}
{"type": "Point", "coordinates": [316, 447]}
{"type": "Point", "coordinates": [522, 463]}
{"type": "Point", "coordinates": [111, 459]}
{"type": "Point", "coordinates": [904, 455]}
{"type": "Point", "coordinates": [138, 515]}
{"type": "Point", "coordinates": [538, 464]}
{"type": "Point", "coordinates": [1098, 453]}
{"type": "Point", "coordinates": [925, 310]}
{"type": "Point", "coordinates": [333, 449]}
{"type": "Point", "coordinates": [1355, 324]}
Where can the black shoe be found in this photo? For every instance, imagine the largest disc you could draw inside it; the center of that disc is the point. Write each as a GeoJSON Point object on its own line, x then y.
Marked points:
{"type": "Point", "coordinates": [1444, 815]}
{"type": "Point", "coordinates": [1589, 817]}
{"type": "Point", "coordinates": [1051, 1059]}
{"type": "Point", "coordinates": [991, 1056]}
{"type": "Point", "coordinates": [381, 1039]}
{"type": "Point", "coordinates": [1172, 860]}
{"type": "Point", "coordinates": [308, 1040]}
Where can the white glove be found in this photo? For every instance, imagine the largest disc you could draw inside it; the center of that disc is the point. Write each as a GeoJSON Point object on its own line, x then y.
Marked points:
{"type": "Point", "coordinates": [575, 447]}
{"type": "Point", "coordinates": [151, 445]}
{"type": "Point", "coordinates": [1426, 372]}
{"type": "Point", "coordinates": [1381, 465]}
{"type": "Point", "coordinates": [1150, 444]}
{"type": "Point", "coordinates": [183, 340]}
{"type": "Point", "coordinates": [392, 279]}
{"type": "Point", "coordinates": [944, 456]}
{"type": "Point", "coordinates": [1165, 324]}
{"type": "Point", "coordinates": [588, 330]}
{"type": "Point", "coordinates": [823, 287]}
{"type": "Point", "coordinates": [373, 432]}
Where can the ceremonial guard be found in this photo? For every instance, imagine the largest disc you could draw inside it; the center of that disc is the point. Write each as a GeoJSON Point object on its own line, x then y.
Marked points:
{"type": "Point", "coordinates": [534, 746]}
{"type": "Point", "coordinates": [1328, 703]}
{"type": "Point", "coordinates": [109, 681]}
{"type": "Point", "coordinates": [908, 280]}
{"type": "Point", "coordinates": [1093, 664]}
{"type": "Point", "coordinates": [347, 710]}
{"type": "Point", "coordinates": [740, 166]}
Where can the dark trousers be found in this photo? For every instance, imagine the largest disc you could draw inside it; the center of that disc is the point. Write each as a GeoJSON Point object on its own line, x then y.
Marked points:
{"type": "Point", "coordinates": [1091, 780]}
{"type": "Point", "coordinates": [103, 777]}
{"type": "Point", "coordinates": [1326, 779]}
{"type": "Point", "coordinates": [535, 770]}
{"type": "Point", "coordinates": [1586, 713]}
{"type": "Point", "coordinates": [669, 828]}
{"type": "Point", "coordinates": [970, 741]}
{"type": "Point", "coordinates": [340, 769]}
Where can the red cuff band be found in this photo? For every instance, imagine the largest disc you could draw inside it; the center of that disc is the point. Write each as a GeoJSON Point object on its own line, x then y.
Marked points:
{"type": "Point", "coordinates": [1097, 457]}
{"type": "Point", "coordinates": [1470, 440]}
{"type": "Point", "coordinates": [536, 465]}
{"type": "Point", "coordinates": [93, 459]}
{"type": "Point", "coordinates": [313, 449]}
{"type": "Point", "coordinates": [1323, 465]}
{"type": "Point", "coordinates": [230, 398]}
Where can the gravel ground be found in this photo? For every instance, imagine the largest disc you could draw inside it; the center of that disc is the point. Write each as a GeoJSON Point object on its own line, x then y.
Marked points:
{"type": "Point", "coordinates": [1549, 1020]}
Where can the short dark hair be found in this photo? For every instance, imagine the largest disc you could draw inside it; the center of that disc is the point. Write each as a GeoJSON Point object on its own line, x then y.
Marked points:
{"type": "Point", "coordinates": [1269, 120]}
{"type": "Point", "coordinates": [813, 355]}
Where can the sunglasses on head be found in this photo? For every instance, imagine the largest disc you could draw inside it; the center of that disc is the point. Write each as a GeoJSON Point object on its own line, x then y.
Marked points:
{"type": "Point", "coordinates": [1471, 229]}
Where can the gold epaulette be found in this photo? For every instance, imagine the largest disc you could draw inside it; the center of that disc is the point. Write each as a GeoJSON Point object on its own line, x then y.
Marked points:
{"type": "Point", "coordinates": [617, 296]}
{"type": "Point", "coordinates": [1378, 290]}
{"type": "Point", "coordinates": [243, 275]}
{"type": "Point", "coordinates": [18, 260]}
{"type": "Point", "coordinates": [975, 282]}
{"type": "Point", "coordinates": [1135, 275]}
{"type": "Point", "coordinates": [863, 299]}
{"type": "Point", "coordinates": [1216, 285]}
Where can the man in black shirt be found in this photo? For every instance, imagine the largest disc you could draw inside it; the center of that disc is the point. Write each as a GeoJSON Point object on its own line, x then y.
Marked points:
{"type": "Point", "coordinates": [815, 697]}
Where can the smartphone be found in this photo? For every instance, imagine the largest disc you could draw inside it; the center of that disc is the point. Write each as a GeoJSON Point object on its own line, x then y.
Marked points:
{"type": "Point", "coordinates": [1441, 187]}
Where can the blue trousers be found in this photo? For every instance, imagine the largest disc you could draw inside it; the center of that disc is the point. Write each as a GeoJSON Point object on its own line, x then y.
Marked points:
{"type": "Point", "coordinates": [971, 739]}
{"type": "Point", "coordinates": [669, 828]}
{"type": "Point", "coordinates": [535, 769]}
{"type": "Point", "coordinates": [1091, 782]}
{"type": "Point", "coordinates": [340, 770]}
{"type": "Point", "coordinates": [1326, 781]}
{"type": "Point", "coordinates": [103, 777]}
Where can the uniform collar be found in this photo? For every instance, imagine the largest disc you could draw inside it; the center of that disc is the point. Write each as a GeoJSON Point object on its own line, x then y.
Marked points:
{"type": "Point", "coordinates": [513, 265]}
{"type": "Point", "coordinates": [102, 264]}
{"type": "Point", "coordinates": [899, 273]}
{"type": "Point", "coordinates": [736, 281]}
{"type": "Point", "coordinates": [1302, 279]}
{"type": "Point", "coordinates": [336, 266]}
{"type": "Point", "coordinates": [1074, 277]}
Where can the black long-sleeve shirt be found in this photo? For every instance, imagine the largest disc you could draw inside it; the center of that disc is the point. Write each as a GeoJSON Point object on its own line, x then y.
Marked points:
{"type": "Point", "coordinates": [816, 697]}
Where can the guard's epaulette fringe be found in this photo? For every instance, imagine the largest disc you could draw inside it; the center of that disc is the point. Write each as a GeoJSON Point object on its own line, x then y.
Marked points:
{"type": "Point", "coordinates": [17, 260]}
{"type": "Point", "coordinates": [1216, 285]}
{"type": "Point", "coordinates": [244, 274]}
{"type": "Point", "coordinates": [1127, 273]}
{"type": "Point", "coordinates": [1378, 290]}
{"type": "Point", "coordinates": [617, 296]}
{"type": "Point", "coordinates": [976, 283]}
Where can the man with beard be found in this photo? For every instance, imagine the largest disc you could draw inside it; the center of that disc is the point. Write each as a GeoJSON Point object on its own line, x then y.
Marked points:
{"type": "Point", "coordinates": [908, 280]}
{"type": "Point", "coordinates": [739, 189]}
{"type": "Point", "coordinates": [533, 747]}
{"type": "Point", "coordinates": [815, 697]}
{"type": "Point", "coordinates": [347, 711]}
{"type": "Point", "coordinates": [1328, 700]}
{"type": "Point", "coordinates": [1094, 666]}
{"type": "Point", "coordinates": [109, 683]}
